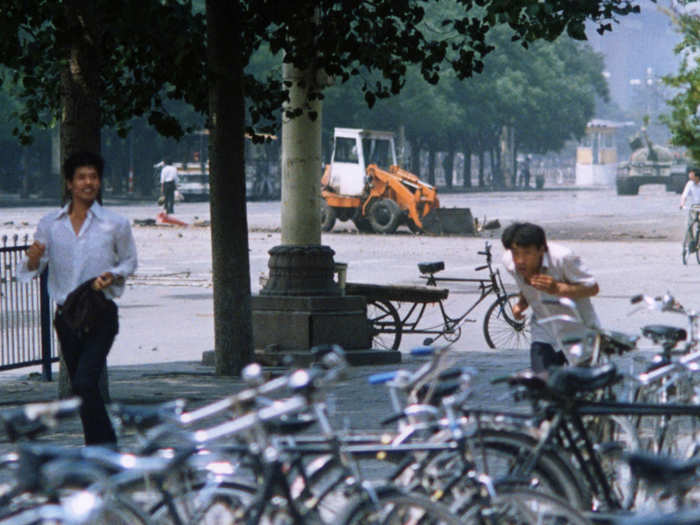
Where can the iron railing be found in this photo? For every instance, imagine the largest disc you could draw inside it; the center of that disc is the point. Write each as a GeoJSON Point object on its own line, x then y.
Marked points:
{"type": "Point", "coordinates": [26, 338]}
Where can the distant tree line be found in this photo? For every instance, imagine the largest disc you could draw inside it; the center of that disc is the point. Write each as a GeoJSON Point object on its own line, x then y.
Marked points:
{"type": "Point", "coordinates": [543, 96]}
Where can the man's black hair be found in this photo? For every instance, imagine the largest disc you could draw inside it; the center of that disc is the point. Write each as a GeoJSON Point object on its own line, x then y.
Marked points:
{"type": "Point", "coordinates": [82, 158]}
{"type": "Point", "coordinates": [77, 160]}
{"type": "Point", "coordinates": [523, 234]}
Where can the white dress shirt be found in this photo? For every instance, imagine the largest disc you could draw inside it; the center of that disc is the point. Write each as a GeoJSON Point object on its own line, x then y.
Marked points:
{"type": "Point", "coordinates": [168, 173]}
{"type": "Point", "coordinates": [563, 265]}
{"type": "Point", "coordinates": [104, 244]}
{"type": "Point", "coordinates": [691, 193]}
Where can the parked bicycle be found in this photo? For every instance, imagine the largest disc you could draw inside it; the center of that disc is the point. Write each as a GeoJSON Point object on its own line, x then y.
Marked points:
{"type": "Point", "coordinates": [389, 321]}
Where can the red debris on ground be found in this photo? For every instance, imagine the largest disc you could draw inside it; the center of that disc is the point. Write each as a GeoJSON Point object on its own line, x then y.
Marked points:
{"type": "Point", "coordinates": [164, 218]}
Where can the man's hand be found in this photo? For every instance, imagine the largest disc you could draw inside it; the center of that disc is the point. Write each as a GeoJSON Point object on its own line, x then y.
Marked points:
{"type": "Point", "coordinates": [34, 254]}
{"type": "Point", "coordinates": [545, 283]}
{"type": "Point", "coordinates": [519, 310]}
{"type": "Point", "coordinates": [103, 281]}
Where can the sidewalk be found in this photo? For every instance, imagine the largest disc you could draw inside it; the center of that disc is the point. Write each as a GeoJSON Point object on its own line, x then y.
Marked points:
{"type": "Point", "coordinates": [354, 402]}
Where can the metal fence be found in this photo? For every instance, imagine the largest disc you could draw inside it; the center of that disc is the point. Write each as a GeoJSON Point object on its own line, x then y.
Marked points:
{"type": "Point", "coordinates": [26, 337]}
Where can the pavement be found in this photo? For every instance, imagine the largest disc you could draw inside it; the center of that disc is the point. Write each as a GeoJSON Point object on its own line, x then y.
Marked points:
{"type": "Point", "coordinates": [354, 403]}
{"type": "Point", "coordinates": [166, 313]}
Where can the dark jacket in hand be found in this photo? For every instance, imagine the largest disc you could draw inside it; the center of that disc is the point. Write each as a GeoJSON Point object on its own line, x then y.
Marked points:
{"type": "Point", "coordinates": [84, 309]}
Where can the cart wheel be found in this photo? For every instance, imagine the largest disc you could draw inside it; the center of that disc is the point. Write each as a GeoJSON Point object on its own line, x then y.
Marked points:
{"type": "Point", "coordinates": [385, 324]}
{"type": "Point", "coordinates": [501, 329]}
{"type": "Point", "coordinates": [328, 216]}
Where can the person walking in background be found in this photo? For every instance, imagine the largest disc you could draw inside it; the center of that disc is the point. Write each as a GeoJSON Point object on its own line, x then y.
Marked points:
{"type": "Point", "coordinates": [88, 250]}
{"type": "Point", "coordinates": [691, 195]}
{"type": "Point", "coordinates": [544, 271]}
{"type": "Point", "coordinates": [168, 179]}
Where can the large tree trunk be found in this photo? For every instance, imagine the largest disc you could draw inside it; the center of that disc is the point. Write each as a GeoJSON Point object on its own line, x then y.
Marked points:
{"type": "Point", "coordinates": [80, 81]}
{"type": "Point", "coordinates": [80, 102]}
{"type": "Point", "coordinates": [233, 331]}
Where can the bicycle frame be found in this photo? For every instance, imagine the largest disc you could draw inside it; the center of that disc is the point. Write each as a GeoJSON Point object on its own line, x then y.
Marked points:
{"type": "Point", "coordinates": [566, 421]}
{"type": "Point", "coordinates": [492, 285]}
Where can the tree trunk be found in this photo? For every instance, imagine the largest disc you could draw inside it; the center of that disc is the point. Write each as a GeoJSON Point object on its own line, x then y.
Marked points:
{"type": "Point", "coordinates": [80, 81]}
{"type": "Point", "coordinates": [482, 182]}
{"type": "Point", "coordinates": [431, 166]}
{"type": "Point", "coordinates": [301, 162]}
{"type": "Point", "coordinates": [415, 159]}
{"type": "Point", "coordinates": [467, 168]}
{"type": "Point", "coordinates": [80, 102]}
{"type": "Point", "coordinates": [449, 166]}
{"type": "Point", "coordinates": [233, 341]}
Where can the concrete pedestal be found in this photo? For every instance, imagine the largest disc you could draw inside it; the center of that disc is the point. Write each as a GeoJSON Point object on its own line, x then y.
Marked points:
{"type": "Point", "coordinates": [291, 325]}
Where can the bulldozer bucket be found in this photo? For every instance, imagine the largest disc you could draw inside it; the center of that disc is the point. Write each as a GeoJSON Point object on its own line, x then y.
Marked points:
{"type": "Point", "coordinates": [441, 221]}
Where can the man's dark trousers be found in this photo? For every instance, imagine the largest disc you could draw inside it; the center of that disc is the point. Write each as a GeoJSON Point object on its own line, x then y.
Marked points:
{"type": "Point", "coordinates": [543, 355]}
{"type": "Point", "coordinates": [85, 358]}
{"type": "Point", "coordinates": [169, 191]}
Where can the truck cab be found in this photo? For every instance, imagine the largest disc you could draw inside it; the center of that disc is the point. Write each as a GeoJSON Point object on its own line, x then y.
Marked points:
{"type": "Point", "coordinates": [353, 151]}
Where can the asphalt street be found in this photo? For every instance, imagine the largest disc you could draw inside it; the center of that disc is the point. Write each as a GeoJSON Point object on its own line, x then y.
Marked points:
{"type": "Point", "coordinates": [631, 244]}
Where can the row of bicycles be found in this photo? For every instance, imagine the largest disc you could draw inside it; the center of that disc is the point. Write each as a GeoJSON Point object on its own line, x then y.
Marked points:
{"type": "Point", "coordinates": [581, 445]}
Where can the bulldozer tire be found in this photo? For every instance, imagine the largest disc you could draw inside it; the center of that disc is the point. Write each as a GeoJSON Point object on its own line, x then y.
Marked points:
{"type": "Point", "coordinates": [328, 216]}
{"type": "Point", "coordinates": [384, 216]}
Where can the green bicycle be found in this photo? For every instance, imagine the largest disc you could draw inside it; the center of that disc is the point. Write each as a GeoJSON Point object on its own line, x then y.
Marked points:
{"type": "Point", "coordinates": [691, 240]}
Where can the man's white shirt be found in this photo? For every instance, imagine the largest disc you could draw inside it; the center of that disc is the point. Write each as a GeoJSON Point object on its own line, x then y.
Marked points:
{"type": "Point", "coordinates": [168, 173]}
{"type": "Point", "coordinates": [105, 243]}
{"type": "Point", "coordinates": [563, 265]}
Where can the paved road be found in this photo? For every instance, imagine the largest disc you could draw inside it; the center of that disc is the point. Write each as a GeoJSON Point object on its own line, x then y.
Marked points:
{"type": "Point", "coordinates": [630, 243]}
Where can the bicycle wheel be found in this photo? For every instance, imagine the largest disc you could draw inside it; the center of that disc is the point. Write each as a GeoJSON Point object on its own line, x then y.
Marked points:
{"type": "Point", "coordinates": [616, 434]}
{"type": "Point", "coordinates": [501, 329]}
{"type": "Point", "coordinates": [687, 242]}
{"type": "Point", "coordinates": [695, 230]}
{"type": "Point", "coordinates": [390, 506]}
{"type": "Point", "coordinates": [507, 454]}
{"type": "Point", "coordinates": [522, 506]}
{"type": "Point", "coordinates": [385, 324]}
{"type": "Point", "coordinates": [205, 504]}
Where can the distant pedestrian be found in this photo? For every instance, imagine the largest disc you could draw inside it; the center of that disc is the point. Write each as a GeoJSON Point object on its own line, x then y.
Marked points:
{"type": "Point", "coordinates": [89, 252]}
{"type": "Point", "coordinates": [543, 271]}
{"type": "Point", "coordinates": [691, 194]}
{"type": "Point", "coordinates": [168, 180]}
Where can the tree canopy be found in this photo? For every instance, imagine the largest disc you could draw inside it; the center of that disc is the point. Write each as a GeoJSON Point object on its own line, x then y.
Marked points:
{"type": "Point", "coordinates": [153, 52]}
{"type": "Point", "coordinates": [684, 119]}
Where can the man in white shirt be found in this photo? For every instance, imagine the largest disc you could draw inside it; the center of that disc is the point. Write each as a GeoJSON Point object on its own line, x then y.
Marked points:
{"type": "Point", "coordinates": [168, 179]}
{"type": "Point", "coordinates": [544, 271]}
{"type": "Point", "coordinates": [84, 242]}
{"type": "Point", "coordinates": [691, 194]}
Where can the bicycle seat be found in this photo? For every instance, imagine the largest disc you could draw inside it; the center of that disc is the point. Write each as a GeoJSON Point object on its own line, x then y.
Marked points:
{"type": "Point", "coordinates": [291, 424]}
{"type": "Point", "coordinates": [661, 470]}
{"type": "Point", "coordinates": [569, 380]}
{"type": "Point", "coordinates": [613, 342]}
{"type": "Point", "coordinates": [661, 332]}
{"type": "Point", "coordinates": [442, 389]}
{"type": "Point", "coordinates": [431, 267]}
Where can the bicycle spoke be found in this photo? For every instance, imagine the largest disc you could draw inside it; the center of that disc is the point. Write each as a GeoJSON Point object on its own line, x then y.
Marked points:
{"type": "Point", "coordinates": [502, 330]}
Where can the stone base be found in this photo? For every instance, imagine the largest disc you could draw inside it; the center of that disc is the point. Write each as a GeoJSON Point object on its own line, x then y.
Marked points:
{"type": "Point", "coordinates": [305, 359]}
{"type": "Point", "coordinates": [296, 323]}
